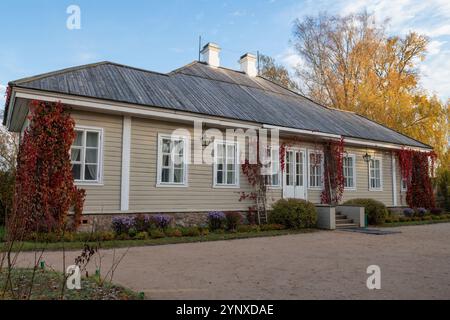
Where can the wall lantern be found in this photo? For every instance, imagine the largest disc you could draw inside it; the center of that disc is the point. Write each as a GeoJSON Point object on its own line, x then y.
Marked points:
{"type": "Point", "coordinates": [367, 157]}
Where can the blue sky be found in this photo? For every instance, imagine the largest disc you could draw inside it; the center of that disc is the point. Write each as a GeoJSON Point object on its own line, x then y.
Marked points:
{"type": "Point", "coordinates": [163, 35]}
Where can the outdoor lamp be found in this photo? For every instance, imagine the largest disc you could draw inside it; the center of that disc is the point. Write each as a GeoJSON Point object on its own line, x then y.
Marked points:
{"type": "Point", "coordinates": [367, 157]}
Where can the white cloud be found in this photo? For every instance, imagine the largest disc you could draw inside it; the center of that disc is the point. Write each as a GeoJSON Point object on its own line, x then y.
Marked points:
{"type": "Point", "coordinates": [290, 59]}
{"type": "Point", "coordinates": [435, 75]}
{"type": "Point", "coordinates": [2, 95]}
{"type": "Point", "coordinates": [430, 18]}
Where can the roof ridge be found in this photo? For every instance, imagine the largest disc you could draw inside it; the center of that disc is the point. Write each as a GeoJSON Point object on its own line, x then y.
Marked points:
{"type": "Point", "coordinates": [57, 72]}
{"type": "Point", "coordinates": [76, 68]}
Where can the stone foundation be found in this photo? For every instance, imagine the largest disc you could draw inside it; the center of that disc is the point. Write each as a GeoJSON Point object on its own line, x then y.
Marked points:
{"type": "Point", "coordinates": [103, 222]}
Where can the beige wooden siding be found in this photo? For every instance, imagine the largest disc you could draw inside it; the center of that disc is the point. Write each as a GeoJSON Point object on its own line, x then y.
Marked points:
{"type": "Point", "coordinates": [104, 198]}
{"type": "Point", "coordinates": [199, 195]}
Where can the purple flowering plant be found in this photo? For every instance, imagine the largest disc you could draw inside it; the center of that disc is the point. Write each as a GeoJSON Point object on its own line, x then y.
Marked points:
{"type": "Point", "coordinates": [216, 220]}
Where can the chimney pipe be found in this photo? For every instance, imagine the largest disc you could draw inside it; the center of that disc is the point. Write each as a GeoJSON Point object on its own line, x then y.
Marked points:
{"type": "Point", "coordinates": [248, 64]}
{"type": "Point", "coordinates": [210, 54]}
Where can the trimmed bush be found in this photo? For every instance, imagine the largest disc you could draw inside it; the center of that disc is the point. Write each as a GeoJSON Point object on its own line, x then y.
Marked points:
{"type": "Point", "coordinates": [190, 232]}
{"type": "Point", "coordinates": [293, 213]}
{"type": "Point", "coordinates": [436, 211]}
{"type": "Point", "coordinates": [234, 219]}
{"type": "Point", "coordinates": [421, 212]}
{"type": "Point", "coordinates": [161, 221]}
{"type": "Point", "coordinates": [216, 220]}
{"type": "Point", "coordinates": [408, 212]}
{"type": "Point", "coordinates": [122, 224]}
{"type": "Point", "coordinates": [141, 236]}
{"type": "Point", "coordinates": [375, 210]}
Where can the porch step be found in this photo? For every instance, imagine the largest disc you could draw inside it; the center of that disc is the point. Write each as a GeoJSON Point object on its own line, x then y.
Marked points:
{"type": "Point", "coordinates": [346, 225]}
{"type": "Point", "coordinates": [342, 221]}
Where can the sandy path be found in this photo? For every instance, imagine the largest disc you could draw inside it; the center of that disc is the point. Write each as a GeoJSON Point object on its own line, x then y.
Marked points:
{"type": "Point", "coordinates": [415, 264]}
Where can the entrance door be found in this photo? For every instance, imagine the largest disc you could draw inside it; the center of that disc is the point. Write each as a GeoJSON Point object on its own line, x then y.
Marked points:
{"type": "Point", "coordinates": [294, 178]}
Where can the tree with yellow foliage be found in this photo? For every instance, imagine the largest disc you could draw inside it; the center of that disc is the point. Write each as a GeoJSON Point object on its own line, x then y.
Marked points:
{"type": "Point", "coordinates": [351, 64]}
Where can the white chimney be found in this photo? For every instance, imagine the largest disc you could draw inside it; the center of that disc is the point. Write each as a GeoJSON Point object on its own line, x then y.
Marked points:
{"type": "Point", "coordinates": [210, 53]}
{"type": "Point", "coordinates": [248, 64]}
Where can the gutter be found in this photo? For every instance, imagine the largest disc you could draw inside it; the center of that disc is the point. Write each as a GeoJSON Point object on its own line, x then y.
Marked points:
{"type": "Point", "coordinates": [353, 141]}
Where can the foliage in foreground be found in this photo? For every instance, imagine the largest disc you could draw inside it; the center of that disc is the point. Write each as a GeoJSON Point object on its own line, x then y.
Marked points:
{"type": "Point", "coordinates": [375, 210]}
{"type": "Point", "coordinates": [47, 285]}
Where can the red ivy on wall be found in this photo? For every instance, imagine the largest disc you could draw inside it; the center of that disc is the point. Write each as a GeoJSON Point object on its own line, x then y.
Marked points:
{"type": "Point", "coordinates": [45, 189]}
{"type": "Point", "coordinates": [333, 172]}
{"type": "Point", "coordinates": [415, 169]}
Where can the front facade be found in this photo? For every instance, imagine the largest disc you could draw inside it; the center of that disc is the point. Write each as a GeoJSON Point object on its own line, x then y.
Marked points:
{"type": "Point", "coordinates": [130, 131]}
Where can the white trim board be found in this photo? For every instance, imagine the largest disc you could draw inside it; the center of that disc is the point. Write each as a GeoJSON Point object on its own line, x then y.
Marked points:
{"type": "Point", "coordinates": [126, 158]}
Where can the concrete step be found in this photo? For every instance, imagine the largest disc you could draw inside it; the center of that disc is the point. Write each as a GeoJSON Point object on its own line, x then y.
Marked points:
{"type": "Point", "coordinates": [344, 221]}
{"type": "Point", "coordinates": [347, 225]}
{"type": "Point", "coordinates": [341, 216]}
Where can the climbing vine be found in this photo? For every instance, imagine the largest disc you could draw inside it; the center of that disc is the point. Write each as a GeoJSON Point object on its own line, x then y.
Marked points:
{"type": "Point", "coordinates": [333, 190]}
{"type": "Point", "coordinates": [45, 190]}
{"type": "Point", "coordinates": [416, 168]}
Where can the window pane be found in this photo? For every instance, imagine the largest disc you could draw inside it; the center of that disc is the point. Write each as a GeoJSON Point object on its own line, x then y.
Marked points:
{"type": "Point", "coordinates": [165, 175]}
{"type": "Point", "coordinates": [75, 154]}
{"type": "Point", "coordinates": [166, 160]}
{"type": "Point", "coordinates": [230, 177]}
{"type": "Point", "coordinates": [76, 171]}
{"type": "Point", "coordinates": [78, 138]}
{"type": "Point", "coordinates": [166, 146]}
{"type": "Point", "coordinates": [91, 155]}
{"type": "Point", "coordinates": [92, 139]}
{"type": "Point", "coordinates": [219, 177]}
{"type": "Point", "coordinates": [90, 172]}
{"type": "Point", "coordinates": [178, 176]}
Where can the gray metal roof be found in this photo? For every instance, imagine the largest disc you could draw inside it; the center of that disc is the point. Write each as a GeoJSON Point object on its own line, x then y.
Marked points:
{"type": "Point", "coordinates": [222, 92]}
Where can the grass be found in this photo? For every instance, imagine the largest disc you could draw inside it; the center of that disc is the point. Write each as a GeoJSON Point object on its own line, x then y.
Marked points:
{"type": "Point", "coordinates": [47, 285]}
{"type": "Point", "coordinates": [413, 223]}
{"type": "Point", "coordinates": [32, 246]}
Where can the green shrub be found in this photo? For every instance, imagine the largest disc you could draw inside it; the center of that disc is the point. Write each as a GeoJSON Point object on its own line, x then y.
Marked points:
{"type": "Point", "coordinates": [123, 236]}
{"type": "Point", "coordinates": [141, 236]}
{"type": "Point", "coordinates": [244, 228]}
{"type": "Point", "coordinates": [271, 227]}
{"type": "Point", "coordinates": [233, 220]}
{"type": "Point", "coordinates": [375, 210]}
{"type": "Point", "coordinates": [157, 234]}
{"type": "Point", "coordinates": [173, 233]}
{"type": "Point", "coordinates": [436, 218]}
{"type": "Point", "coordinates": [190, 232]}
{"type": "Point", "coordinates": [293, 213]}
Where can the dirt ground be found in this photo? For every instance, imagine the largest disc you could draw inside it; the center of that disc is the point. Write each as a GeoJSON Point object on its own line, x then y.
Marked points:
{"type": "Point", "coordinates": [415, 264]}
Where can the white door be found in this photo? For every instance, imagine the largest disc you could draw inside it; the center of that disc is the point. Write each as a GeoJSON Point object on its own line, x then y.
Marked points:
{"type": "Point", "coordinates": [294, 178]}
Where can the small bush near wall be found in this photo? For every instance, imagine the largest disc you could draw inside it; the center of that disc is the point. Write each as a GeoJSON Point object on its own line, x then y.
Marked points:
{"type": "Point", "coordinates": [375, 210]}
{"type": "Point", "coordinates": [234, 219]}
{"type": "Point", "coordinates": [216, 220]}
{"type": "Point", "coordinates": [293, 213]}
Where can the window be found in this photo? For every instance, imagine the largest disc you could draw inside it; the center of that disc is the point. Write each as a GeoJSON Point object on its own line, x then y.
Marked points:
{"type": "Point", "coordinates": [172, 164]}
{"type": "Point", "coordinates": [375, 180]}
{"type": "Point", "coordinates": [273, 168]}
{"type": "Point", "coordinates": [349, 172]}
{"type": "Point", "coordinates": [404, 186]}
{"type": "Point", "coordinates": [225, 164]}
{"type": "Point", "coordinates": [315, 170]}
{"type": "Point", "coordinates": [85, 155]}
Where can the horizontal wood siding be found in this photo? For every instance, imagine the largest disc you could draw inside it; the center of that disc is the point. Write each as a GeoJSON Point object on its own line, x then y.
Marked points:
{"type": "Point", "coordinates": [199, 195]}
{"type": "Point", "coordinates": [104, 198]}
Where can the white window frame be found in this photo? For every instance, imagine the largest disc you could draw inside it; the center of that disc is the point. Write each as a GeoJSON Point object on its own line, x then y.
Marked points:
{"type": "Point", "coordinates": [309, 169]}
{"type": "Point", "coordinates": [238, 170]}
{"type": "Point", "coordinates": [185, 139]}
{"type": "Point", "coordinates": [99, 180]}
{"type": "Point", "coordinates": [403, 187]}
{"type": "Point", "coordinates": [272, 169]}
{"type": "Point", "coordinates": [381, 174]}
{"type": "Point", "coordinates": [353, 156]}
